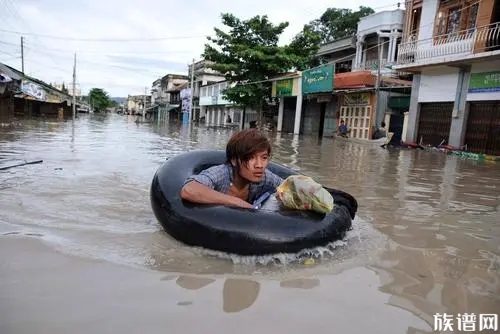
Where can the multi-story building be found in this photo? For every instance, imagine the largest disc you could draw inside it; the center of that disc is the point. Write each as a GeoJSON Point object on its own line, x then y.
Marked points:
{"type": "Point", "coordinates": [358, 84]}
{"type": "Point", "coordinates": [453, 49]}
{"type": "Point", "coordinates": [203, 75]}
{"type": "Point", "coordinates": [138, 104]}
{"type": "Point", "coordinates": [68, 89]}
{"type": "Point", "coordinates": [218, 111]}
{"type": "Point", "coordinates": [378, 37]}
{"type": "Point", "coordinates": [163, 87]}
{"type": "Point", "coordinates": [165, 95]}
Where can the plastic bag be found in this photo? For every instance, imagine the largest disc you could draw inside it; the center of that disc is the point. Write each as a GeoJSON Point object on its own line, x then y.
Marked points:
{"type": "Point", "coordinates": [301, 192]}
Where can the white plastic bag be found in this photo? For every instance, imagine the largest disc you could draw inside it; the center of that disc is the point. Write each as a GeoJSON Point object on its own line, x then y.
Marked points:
{"type": "Point", "coordinates": [301, 192]}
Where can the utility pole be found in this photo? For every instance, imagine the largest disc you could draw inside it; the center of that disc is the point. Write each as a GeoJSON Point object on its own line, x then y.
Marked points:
{"type": "Point", "coordinates": [22, 54]}
{"type": "Point", "coordinates": [144, 107]}
{"type": "Point", "coordinates": [192, 93]}
{"type": "Point", "coordinates": [74, 88]}
{"type": "Point", "coordinates": [377, 87]}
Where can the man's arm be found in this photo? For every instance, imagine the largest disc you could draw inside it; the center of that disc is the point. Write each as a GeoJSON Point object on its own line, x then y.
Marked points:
{"type": "Point", "coordinates": [196, 192]}
{"type": "Point", "coordinates": [201, 189]}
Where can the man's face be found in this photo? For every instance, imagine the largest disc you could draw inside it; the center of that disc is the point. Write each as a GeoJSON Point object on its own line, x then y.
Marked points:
{"type": "Point", "coordinates": [254, 169]}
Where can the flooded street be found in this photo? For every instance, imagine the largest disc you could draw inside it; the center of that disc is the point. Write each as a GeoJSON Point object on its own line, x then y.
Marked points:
{"type": "Point", "coordinates": [82, 252]}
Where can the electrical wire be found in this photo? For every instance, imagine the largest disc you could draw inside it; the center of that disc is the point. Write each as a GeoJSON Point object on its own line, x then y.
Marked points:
{"type": "Point", "coordinates": [149, 39]}
{"type": "Point", "coordinates": [192, 37]}
{"type": "Point", "coordinates": [146, 39]}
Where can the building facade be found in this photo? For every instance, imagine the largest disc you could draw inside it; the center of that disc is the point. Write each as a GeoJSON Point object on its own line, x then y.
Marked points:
{"type": "Point", "coordinates": [215, 110]}
{"type": "Point", "coordinates": [355, 84]}
{"type": "Point", "coordinates": [453, 49]}
{"type": "Point", "coordinates": [24, 96]}
{"type": "Point", "coordinates": [203, 75]}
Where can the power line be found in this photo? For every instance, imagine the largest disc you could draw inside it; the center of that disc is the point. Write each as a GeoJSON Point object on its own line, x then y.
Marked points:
{"type": "Point", "coordinates": [101, 52]}
{"type": "Point", "coordinates": [149, 39]}
{"type": "Point", "coordinates": [353, 55]}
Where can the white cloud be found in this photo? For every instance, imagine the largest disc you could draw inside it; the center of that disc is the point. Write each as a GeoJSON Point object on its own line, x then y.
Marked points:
{"type": "Point", "coordinates": [128, 67]}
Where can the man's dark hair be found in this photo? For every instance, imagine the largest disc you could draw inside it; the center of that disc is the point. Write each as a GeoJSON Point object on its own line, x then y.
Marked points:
{"type": "Point", "coordinates": [244, 144]}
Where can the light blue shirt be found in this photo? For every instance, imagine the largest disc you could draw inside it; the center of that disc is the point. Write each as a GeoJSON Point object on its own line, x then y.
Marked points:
{"type": "Point", "coordinates": [219, 178]}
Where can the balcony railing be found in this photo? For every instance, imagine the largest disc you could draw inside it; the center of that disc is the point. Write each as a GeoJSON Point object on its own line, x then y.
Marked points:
{"type": "Point", "coordinates": [372, 64]}
{"type": "Point", "coordinates": [450, 46]}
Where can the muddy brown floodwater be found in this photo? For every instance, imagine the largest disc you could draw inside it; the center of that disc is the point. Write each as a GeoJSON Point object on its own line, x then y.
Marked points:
{"type": "Point", "coordinates": [81, 251]}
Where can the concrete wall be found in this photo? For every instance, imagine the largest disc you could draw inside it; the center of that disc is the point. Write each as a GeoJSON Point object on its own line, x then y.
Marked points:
{"type": "Point", "coordinates": [382, 108]}
{"type": "Point", "coordinates": [438, 85]}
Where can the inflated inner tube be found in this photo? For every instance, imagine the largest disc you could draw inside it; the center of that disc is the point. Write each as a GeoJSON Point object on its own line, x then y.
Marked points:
{"type": "Point", "coordinates": [237, 230]}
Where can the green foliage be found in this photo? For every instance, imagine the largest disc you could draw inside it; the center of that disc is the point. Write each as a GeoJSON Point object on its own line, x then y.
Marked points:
{"type": "Point", "coordinates": [248, 55]}
{"type": "Point", "coordinates": [304, 46]}
{"type": "Point", "coordinates": [64, 89]}
{"type": "Point", "coordinates": [338, 23]}
{"type": "Point", "coordinates": [99, 99]}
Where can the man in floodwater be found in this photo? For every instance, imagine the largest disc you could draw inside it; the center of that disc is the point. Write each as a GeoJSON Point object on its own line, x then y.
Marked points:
{"type": "Point", "coordinates": [380, 132]}
{"type": "Point", "coordinates": [241, 180]}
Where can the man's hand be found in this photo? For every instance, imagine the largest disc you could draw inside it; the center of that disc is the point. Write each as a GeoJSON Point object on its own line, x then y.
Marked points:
{"type": "Point", "coordinates": [238, 202]}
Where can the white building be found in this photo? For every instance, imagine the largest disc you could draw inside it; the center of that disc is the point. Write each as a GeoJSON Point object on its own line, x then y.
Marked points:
{"type": "Point", "coordinates": [216, 109]}
{"type": "Point", "coordinates": [69, 89]}
{"type": "Point", "coordinates": [378, 37]}
{"type": "Point", "coordinates": [203, 75]}
{"type": "Point", "coordinates": [453, 49]}
{"type": "Point", "coordinates": [354, 96]}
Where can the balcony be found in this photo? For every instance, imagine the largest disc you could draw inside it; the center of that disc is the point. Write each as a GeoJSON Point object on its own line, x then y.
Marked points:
{"type": "Point", "coordinates": [386, 20]}
{"type": "Point", "coordinates": [457, 46]}
{"type": "Point", "coordinates": [348, 43]}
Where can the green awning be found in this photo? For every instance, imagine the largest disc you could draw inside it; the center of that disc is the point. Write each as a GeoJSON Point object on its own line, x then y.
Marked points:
{"type": "Point", "coordinates": [399, 102]}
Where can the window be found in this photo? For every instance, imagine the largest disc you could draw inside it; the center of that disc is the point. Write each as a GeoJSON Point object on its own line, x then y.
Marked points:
{"type": "Point", "coordinates": [472, 17]}
{"type": "Point", "coordinates": [344, 66]}
{"type": "Point", "coordinates": [455, 18]}
{"type": "Point", "coordinates": [415, 25]}
{"type": "Point", "coordinates": [454, 15]}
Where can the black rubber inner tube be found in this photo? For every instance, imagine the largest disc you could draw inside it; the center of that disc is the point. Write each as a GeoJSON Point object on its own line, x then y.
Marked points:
{"type": "Point", "coordinates": [236, 230]}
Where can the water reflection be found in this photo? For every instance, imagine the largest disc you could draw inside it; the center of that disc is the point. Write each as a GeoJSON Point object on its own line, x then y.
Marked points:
{"type": "Point", "coordinates": [239, 294]}
{"type": "Point", "coordinates": [301, 283]}
{"type": "Point", "coordinates": [192, 282]}
{"type": "Point", "coordinates": [426, 282]}
{"type": "Point", "coordinates": [313, 303]}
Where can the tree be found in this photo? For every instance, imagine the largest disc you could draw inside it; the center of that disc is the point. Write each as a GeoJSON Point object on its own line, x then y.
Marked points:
{"type": "Point", "coordinates": [337, 23]}
{"type": "Point", "coordinates": [64, 89]}
{"type": "Point", "coordinates": [248, 55]}
{"type": "Point", "coordinates": [99, 99]}
{"type": "Point", "coordinates": [305, 45]}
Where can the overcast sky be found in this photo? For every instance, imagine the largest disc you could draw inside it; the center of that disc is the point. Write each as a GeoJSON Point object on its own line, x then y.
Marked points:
{"type": "Point", "coordinates": [163, 35]}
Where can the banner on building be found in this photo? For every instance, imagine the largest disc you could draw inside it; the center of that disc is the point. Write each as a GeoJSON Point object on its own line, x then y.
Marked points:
{"type": "Point", "coordinates": [284, 87]}
{"type": "Point", "coordinates": [486, 82]}
{"type": "Point", "coordinates": [318, 79]}
{"type": "Point", "coordinates": [33, 90]}
{"type": "Point", "coordinates": [186, 99]}
{"type": "Point", "coordinates": [357, 99]}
